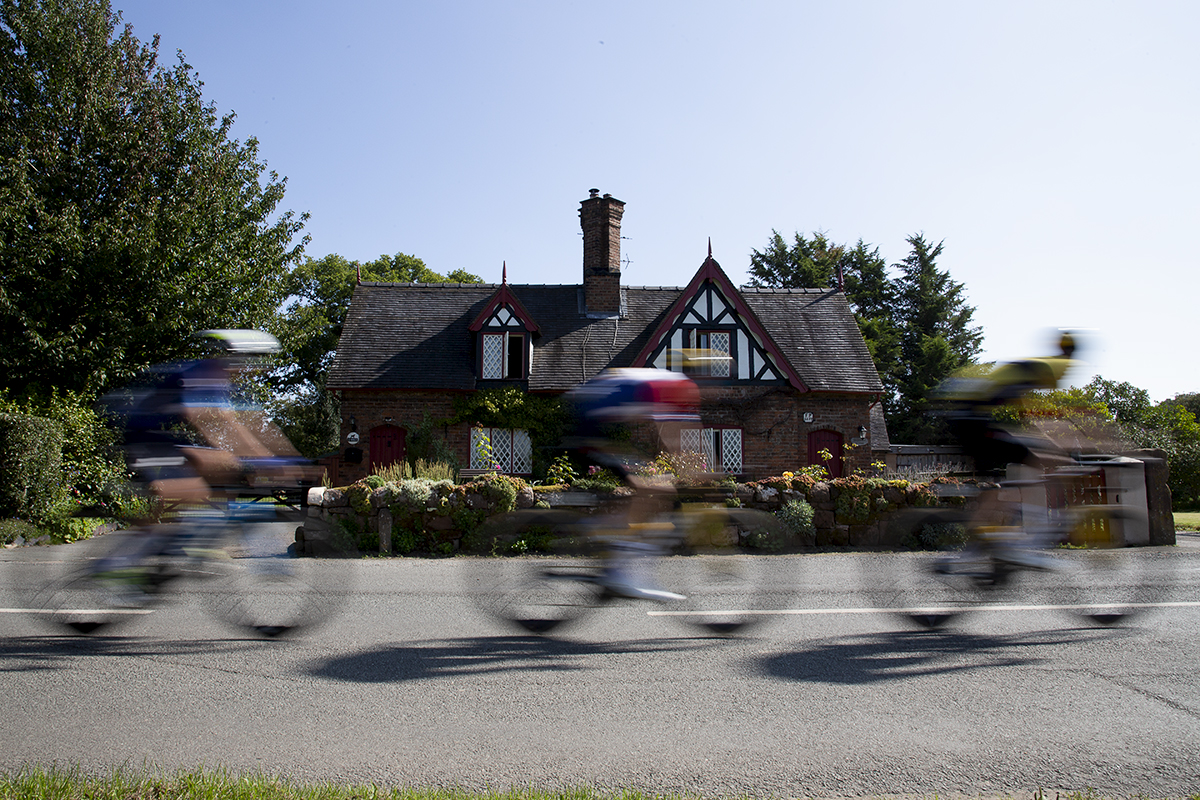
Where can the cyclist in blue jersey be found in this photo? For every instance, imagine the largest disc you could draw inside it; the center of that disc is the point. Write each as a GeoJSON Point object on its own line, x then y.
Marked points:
{"type": "Point", "coordinates": [667, 400]}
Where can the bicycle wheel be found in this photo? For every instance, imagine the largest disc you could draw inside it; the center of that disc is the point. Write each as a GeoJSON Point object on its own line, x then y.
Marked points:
{"type": "Point", "coordinates": [547, 576]}
{"type": "Point", "coordinates": [721, 578]}
{"type": "Point", "coordinates": [252, 581]}
{"type": "Point", "coordinates": [945, 577]}
{"type": "Point", "coordinates": [1103, 581]}
{"type": "Point", "coordinates": [105, 586]}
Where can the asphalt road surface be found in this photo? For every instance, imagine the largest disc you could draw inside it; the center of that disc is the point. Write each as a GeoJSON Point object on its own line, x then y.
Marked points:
{"type": "Point", "coordinates": [410, 685]}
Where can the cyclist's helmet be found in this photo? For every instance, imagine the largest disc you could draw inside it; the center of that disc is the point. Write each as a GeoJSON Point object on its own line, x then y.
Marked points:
{"type": "Point", "coordinates": [237, 347]}
{"type": "Point", "coordinates": [631, 394]}
{"type": "Point", "coordinates": [241, 342]}
{"type": "Point", "coordinates": [1066, 343]}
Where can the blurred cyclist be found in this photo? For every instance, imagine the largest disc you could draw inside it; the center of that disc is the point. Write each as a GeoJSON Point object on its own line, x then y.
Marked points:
{"type": "Point", "coordinates": [972, 402]}
{"type": "Point", "coordinates": [971, 405]}
{"type": "Point", "coordinates": [668, 401]}
{"type": "Point", "coordinates": [186, 440]}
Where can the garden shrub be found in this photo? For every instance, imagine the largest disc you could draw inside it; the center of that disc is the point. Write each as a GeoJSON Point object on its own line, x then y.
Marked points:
{"type": "Point", "coordinates": [561, 472]}
{"type": "Point", "coordinates": [13, 529]}
{"type": "Point", "coordinates": [937, 536]}
{"type": "Point", "coordinates": [31, 478]}
{"type": "Point", "coordinates": [499, 490]}
{"type": "Point", "coordinates": [797, 517]}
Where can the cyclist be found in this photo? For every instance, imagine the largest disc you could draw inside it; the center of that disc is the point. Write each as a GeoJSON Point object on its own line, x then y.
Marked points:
{"type": "Point", "coordinates": [174, 405]}
{"type": "Point", "coordinates": [668, 401]}
{"type": "Point", "coordinates": [971, 403]}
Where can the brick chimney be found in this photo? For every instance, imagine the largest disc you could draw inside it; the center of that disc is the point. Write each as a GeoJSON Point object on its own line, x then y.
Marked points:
{"type": "Point", "coordinates": [600, 218]}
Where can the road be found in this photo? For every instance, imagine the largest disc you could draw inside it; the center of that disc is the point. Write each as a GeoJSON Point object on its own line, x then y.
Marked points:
{"type": "Point", "coordinates": [411, 686]}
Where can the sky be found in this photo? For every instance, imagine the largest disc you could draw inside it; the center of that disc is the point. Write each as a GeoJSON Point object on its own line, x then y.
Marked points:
{"type": "Point", "coordinates": [1050, 146]}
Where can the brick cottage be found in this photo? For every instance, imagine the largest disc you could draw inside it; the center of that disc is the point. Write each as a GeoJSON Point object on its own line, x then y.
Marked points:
{"type": "Point", "coordinates": [800, 379]}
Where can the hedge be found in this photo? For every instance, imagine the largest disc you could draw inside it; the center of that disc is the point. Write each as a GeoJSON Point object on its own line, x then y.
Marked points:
{"type": "Point", "coordinates": [30, 466]}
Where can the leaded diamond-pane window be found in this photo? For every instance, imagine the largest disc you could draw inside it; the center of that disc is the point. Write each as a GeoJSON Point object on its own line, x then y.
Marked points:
{"type": "Point", "coordinates": [721, 447]}
{"type": "Point", "coordinates": [503, 449]}
{"type": "Point", "coordinates": [731, 450]}
{"type": "Point", "coordinates": [522, 453]}
{"type": "Point", "coordinates": [493, 355]}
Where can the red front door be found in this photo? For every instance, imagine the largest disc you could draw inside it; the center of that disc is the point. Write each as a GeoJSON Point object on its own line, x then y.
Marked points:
{"type": "Point", "coordinates": [826, 440]}
{"type": "Point", "coordinates": [387, 446]}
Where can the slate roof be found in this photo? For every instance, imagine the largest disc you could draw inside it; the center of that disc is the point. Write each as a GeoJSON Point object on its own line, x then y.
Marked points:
{"type": "Point", "coordinates": [415, 336]}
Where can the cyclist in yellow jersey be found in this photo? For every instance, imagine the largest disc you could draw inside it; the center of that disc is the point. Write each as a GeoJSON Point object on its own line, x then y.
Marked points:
{"type": "Point", "coordinates": [972, 402]}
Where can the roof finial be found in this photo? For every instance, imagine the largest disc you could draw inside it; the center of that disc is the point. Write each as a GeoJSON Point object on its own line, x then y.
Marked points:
{"type": "Point", "coordinates": [504, 272]}
{"type": "Point", "coordinates": [710, 247]}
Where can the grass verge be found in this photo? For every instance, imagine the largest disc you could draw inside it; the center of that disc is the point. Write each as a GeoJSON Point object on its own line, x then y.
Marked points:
{"type": "Point", "coordinates": [1187, 520]}
{"type": "Point", "coordinates": [55, 783]}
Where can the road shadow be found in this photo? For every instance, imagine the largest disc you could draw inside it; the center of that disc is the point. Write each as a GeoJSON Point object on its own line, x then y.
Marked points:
{"type": "Point", "coordinates": [37, 653]}
{"type": "Point", "coordinates": [901, 655]}
{"type": "Point", "coordinates": [482, 655]}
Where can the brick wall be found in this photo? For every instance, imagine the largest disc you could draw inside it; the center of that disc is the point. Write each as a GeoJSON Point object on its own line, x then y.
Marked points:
{"type": "Point", "coordinates": [775, 435]}
{"type": "Point", "coordinates": [406, 410]}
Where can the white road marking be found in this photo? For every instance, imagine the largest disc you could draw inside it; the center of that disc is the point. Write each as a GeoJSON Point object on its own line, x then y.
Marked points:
{"type": "Point", "coordinates": [939, 610]}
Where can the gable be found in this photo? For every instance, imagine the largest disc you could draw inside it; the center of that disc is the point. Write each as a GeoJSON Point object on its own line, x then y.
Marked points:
{"type": "Point", "coordinates": [504, 311]}
{"type": "Point", "coordinates": [711, 314]}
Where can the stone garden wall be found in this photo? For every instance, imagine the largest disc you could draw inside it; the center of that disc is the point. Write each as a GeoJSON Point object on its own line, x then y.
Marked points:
{"type": "Point", "coordinates": [441, 518]}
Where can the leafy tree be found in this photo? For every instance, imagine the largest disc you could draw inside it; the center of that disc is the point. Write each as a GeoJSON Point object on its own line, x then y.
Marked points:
{"type": "Point", "coordinates": [806, 264]}
{"type": "Point", "coordinates": [917, 325]}
{"type": "Point", "coordinates": [936, 338]}
{"type": "Point", "coordinates": [1168, 426]}
{"type": "Point", "coordinates": [872, 296]}
{"type": "Point", "coordinates": [1124, 401]}
{"type": "Point", "coordinates": [309, 326]}
{"type": "Point", "coordinates": [1189, 401]}
{"type": "Point", "coordinates": [128, 216]}
{"type": "Point", "coordinates": [1114, 416]}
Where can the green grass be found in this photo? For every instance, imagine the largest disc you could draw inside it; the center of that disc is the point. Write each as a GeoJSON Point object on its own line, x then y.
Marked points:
{"type": "Point", "coordinates": [56, 783]}
{"type": "Point", "coordinates": [1187, 520]}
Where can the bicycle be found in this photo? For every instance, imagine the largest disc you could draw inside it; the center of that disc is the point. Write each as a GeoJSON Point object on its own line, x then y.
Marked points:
{"type": "Point", "coordinates": [569, 562]}
{"type": "Point", "coordinates": [1067, 558]}
{"type": "Point", "coordinates": [239, 566]}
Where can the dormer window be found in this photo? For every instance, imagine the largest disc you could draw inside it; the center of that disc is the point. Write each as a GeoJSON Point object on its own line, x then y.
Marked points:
{"type": "Point", "coordinates": [504, 356]}
{"type": "Point", "coordinates": [505, 334]}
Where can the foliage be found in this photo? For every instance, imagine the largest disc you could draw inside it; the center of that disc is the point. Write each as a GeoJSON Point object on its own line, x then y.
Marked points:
{"type": "Point", "coordinates": [422, 469]}
{"type": "Point", "coordinates": [309, 324]}
{"type": "Point", "coordinates": [12, 530]}
{"type": "Point", "coordinates": [684, 468]}
{"type": "Point", "coordinates": [917, 326]}
{"type": "Point", "coordinates": [545, 418]}
{"type": "Point", "coordinates": [806, 264]}
{"type": "Point", "coordinates": [425, 446]}
{"type": "Point", "coordinates": [937, 536]}
{"type": "Point", "coordinates": [561, 473]}
{"type": "Point", "coordinates": [797, 517]}
{"type": "Point", "coordinates": [128, 216]}
{"type": "Point", "coordinates": [500, 490]}
{"type": "Point", "coordinates": [359, 495]}
{"type": "Point", "coordinates": [598, 480]}
{"type": "Point", "coordinates": [937, 337]}
{"type": "Point", "coordinates": [30, 467]}
{"type": "Point", "coordinates": [1117, 416]}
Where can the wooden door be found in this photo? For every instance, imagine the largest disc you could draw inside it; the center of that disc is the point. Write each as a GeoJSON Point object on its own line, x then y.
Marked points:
{"type": "Point", "coordinates": [826, 440]}
{"type": "Point", "coordinates": [387, 446]}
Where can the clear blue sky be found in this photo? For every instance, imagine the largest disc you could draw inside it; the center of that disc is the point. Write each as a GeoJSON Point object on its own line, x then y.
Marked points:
{"type": "Point", "coordinates": [1051, 145]}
